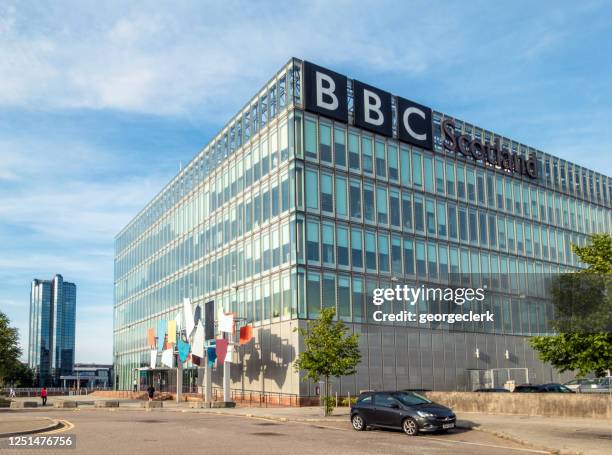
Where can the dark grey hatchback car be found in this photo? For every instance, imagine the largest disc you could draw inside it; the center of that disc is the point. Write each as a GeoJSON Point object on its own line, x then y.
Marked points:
{"type": "Point", "coordinates": [408, 411]}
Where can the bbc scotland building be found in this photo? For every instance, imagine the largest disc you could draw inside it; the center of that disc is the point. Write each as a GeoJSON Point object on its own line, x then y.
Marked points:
{"type": "Point", "coordinates": [324, 188]}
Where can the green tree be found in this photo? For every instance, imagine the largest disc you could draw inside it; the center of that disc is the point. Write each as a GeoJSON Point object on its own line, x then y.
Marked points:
{"type": "Point", "coordinates": [9, 348]}
{"type": "Point", "coordinates": [330, 351]}
{"type": "Point", "coordinates": [576, 348]}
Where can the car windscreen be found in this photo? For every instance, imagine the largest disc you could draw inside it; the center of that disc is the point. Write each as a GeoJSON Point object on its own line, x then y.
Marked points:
{"type": "Point", "coordinates": [410, 398]}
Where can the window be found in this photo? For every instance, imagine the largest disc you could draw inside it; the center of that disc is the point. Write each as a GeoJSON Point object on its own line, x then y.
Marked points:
{"type": "Point", "coordinates": [394, 208]}
{"type": "Point", "coordinates": [421, 267]}
{"type": "Point", "coordinates": [366, 152]}
{"type": "Point", "coordinates": [419, 224]}
{"type": "Point", "coordinates": [368, 203]}
{"type": "Point", "coordinates": [439, 176]}
{"type": "Point", "coordinates": [381, 205]}
{"type": "Point", "coordinates": [325, 143]}
{"type": "Point", "coordinates": [492, 231]}
{"type": "Point", "coordinates": [510, 232]}
{"type": "Point", "coordinates": [473, 226]}
{"type": "Point", "coordinates": [396, 256]}
{"type": "Point", "coordinates": [407, 211]}
{"type": "Point", "coordinates": [463, 224]}
{"type": "Point", "coordinates": [501, 233]}
{"type": "Point", "coordinates": [482, 221]}
{"type": "Point", "coordinates": [312, 190]}
{"type": "Point", "coordinates": [312, 241]}
{"type": "Point", "coordinates": [313, 295]}
{"type": "Point", "coordinates": [353, 146]}
{"type": "Point", "coordinates": [355, 195]}
{"type": "Point", "coordinates": [405, 166]}
{"type": "Point", "coordinates": [471, 185]}
{"type": "Point", "coordinates": [408, 256]}
{"type": "Point", "coordinates": [327, 195]}
{"type": "Point", "coordinates": [370, 250]}
{"type": "Point", "coordinates": [285, 194]}
{"type": "Point", "coordinates": [310, 139]}
{"type": "Point", "coordinates": [441, 216]}
{"type": "Point", "coordinates": [356, 248]}
{"type": "Point", "coordinates": [329, 290]}
{"type": "Point", "coordinates": [392, 163]}
{"type": "Point", "coordinates": [342, 246]}
{"type": "Point", "coordinates": [499, 192]}
{"type": "Point", "coordinates": [358, 297]}
{"type": "Point", "coordinates": [450, 179]}
{"type": "Point", "coordinates": [383, 252]}
{"type": "Point", "coordinates": [432, 260]}
{"type": "Point", "coordinates": [452, 221]}
{"type": "Point", "coordinates": [480, 187]}
{"type": "Point", "coordinates": [461, 181]}
{"type": "Point", "coordinates": [341, 207]}
{"type": "Point", "coordinates": [327, 244]}
{"type": "Point", "coordinates": [340, 146]}
{"type": "Point", "coordinates": [431, 217]}
{"type": "Point", "coordinates": [344, 297]}
{"type": "Point", "coordinates": [428, 169]}
{"type": "Point", "coordinates": [381, 165]}
{"type": "Point", "coordinates": [417, 172]}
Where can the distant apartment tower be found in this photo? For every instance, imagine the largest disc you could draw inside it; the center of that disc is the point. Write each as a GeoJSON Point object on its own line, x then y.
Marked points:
{"type": "Point", "coordinates": [52, 327]}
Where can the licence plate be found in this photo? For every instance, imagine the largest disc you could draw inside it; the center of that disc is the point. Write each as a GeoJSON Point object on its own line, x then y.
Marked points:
{"type": "Point", "coordinates": [448, 425]}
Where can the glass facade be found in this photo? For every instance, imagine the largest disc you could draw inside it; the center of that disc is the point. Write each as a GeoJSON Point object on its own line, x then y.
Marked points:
{"type": "Point", "coordinates": [286, 212]}
{"type": "Point", "coordinates": [52, 329]}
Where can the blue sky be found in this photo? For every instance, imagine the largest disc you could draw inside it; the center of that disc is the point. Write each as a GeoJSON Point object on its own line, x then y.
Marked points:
{"type": "Point", "coordinates": [100, 102]}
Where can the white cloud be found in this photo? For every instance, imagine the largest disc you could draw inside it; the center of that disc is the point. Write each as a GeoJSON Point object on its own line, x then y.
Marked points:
{"type": "Point", "coordinates": [171, 60]}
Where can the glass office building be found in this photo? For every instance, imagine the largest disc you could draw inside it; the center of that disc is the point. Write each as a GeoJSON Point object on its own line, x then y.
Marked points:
{"type": "Point", "coordinates": [52, 329]}
{"type": "Point", "coordinates": [287, 211]}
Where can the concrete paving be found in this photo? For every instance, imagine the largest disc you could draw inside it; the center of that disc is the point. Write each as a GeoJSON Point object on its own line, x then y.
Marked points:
{"type": "Point", "coordinates": [560, 435]}
{"type": "Point", "coordinates": [151, 432]}
{"type": "Point", "coordinates": [26, 425]}
{"type": "Point", "coordinates": [563, 434]}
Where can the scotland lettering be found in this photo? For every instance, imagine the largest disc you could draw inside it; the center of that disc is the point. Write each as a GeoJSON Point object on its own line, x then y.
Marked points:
{"type": "Point", "coordinates": [494, 153]}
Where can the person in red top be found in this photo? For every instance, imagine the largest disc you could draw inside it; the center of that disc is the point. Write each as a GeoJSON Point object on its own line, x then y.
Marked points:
{"type": "Point", "coordinates": [43, 396]}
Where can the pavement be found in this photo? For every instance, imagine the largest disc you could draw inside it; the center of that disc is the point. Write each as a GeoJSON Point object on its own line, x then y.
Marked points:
{"type": "Point", "coordinates": [560, 435]}
{"type": "Point", "coordinates": [26, 425]}
{"type": "Point", "coordinates": [136, 431]}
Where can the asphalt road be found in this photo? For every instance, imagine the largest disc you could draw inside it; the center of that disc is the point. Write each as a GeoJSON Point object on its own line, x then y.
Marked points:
{"type": "Point", "coordinates": [167, 432]}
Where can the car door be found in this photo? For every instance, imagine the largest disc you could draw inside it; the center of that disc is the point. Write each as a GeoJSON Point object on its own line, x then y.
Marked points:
{"type": "Point", "coordinates": [365, 406]}
{"type": "Point", "coordinates": [387, 410]}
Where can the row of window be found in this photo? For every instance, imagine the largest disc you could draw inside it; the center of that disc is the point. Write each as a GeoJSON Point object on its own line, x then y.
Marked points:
{"type": "Point", "coordinates": [379, 252]}
{"type": "Point", "coordinates": [349, 294]}
{"type": "Point", "coordinates": [206, 234]}
{"type": "Point", "coordinates": [271, 103]}
{"type": "Point", "coordinates": [249, 257]}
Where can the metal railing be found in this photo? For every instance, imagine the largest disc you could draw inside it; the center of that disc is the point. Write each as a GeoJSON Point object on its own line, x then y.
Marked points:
{"type": "Point", "coordinates": [56, 391]}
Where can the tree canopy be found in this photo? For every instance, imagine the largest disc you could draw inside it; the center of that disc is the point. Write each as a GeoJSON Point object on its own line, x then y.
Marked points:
{"type": "Point", "coordinates": [584, 313]}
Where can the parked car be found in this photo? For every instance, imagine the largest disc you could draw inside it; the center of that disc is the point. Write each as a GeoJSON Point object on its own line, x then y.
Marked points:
{"type": "Point", "coordinates": [542, 388]}
{"type": "Point", "coordinates": [497, 389]}
{"type": "Point", "coordinates": [600, 385]}
{"type": "Point", "coordinates": [408, 411]}
{"type": "Point", "coordinates": [579, 384]}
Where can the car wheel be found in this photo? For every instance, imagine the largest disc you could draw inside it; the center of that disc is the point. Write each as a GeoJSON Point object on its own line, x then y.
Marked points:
{"type": "Point", "coordinates": [410, 426]}
{"type": "Point", "coordinates": [358, 422]}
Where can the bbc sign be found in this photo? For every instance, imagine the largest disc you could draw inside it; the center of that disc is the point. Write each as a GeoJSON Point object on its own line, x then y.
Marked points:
{"type": "Point", "coordinates": [326, 94]}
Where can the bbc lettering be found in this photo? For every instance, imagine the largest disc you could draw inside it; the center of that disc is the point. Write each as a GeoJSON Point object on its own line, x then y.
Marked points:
{"type": "Point", "coordinates": [326, 94]}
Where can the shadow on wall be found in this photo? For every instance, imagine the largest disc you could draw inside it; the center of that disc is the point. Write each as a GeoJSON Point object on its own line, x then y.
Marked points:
{"type": "Point", "coordinates": [267, 353]}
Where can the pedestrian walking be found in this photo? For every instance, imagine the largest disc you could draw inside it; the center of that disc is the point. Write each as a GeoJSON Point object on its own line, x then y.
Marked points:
{"type": "Point", "coordinates": [11, 393]}
{"type": "Point", "coordinates": [135, 383]}
{"type": "Point", "coordinates": [151, 392]}
{"type": "Point", "coordinates": [43, 396]}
